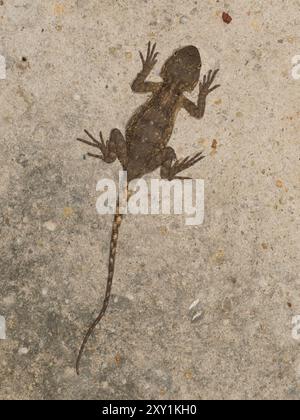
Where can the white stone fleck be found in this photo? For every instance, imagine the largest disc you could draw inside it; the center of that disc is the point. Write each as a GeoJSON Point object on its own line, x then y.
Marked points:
{"type": "Point", "coordinates": [9, 300]}
{"type": "Point", "coordinates": [194, 304]}
{"type": "Point", "coordinates": [183, 19]}
{"type": "Point", "coordinates": [297, 368]}
{"type": "Point", "coordinates": [197, 316]}
{"type": "Point", "coordinates": [2, 67]}
{"type": "Point", "coordinates": [2, 328]}
{"type": "Point", "coordinates": [23, 351]}
{"type": "Point", "coordinates": [51, 226]}
{"type": "Point", "coordinates": [195, 311]}
{"type": "Point", "coordinates": [104, 385]}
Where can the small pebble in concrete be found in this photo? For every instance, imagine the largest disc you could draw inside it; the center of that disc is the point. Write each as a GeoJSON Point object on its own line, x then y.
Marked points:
{"type": "Point", "coordinates": [194, 304]}
{"type": "Point", "coordinates": [279, 183]}
{"type": "Point", "coordinates": [9, 300]}
{"type": "Point", "coordinates": [68, 211]}
{"type": "Point", "coordinates": [2, 67]}
{"type": "Point", "coordinates": [226, 18]}
{"type": "Point", "coordinates": [195, 311]}
{"type": "Point", "coordinates": [183, 19]}
{"type": "Point", "coordinates": [51, 226]}
{"type": "Point", "coordinates": [214, 144]}
{"type": "Point", "coordinates": [23, 351]}
{"type": "Point", "coordinates": [197, 316]}
{"type": "Point", "coordinates": [2, 328]}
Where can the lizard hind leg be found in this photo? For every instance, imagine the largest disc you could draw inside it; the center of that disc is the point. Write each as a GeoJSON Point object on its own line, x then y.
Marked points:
{"type": "Point", "coordinates": [169, 170]}
{"type": "Point", "coordinates": [110, 150]}
{"type": "Point", "coordinates": [116, 146]}
{"type": "Point", "coordinates": [163, 159]}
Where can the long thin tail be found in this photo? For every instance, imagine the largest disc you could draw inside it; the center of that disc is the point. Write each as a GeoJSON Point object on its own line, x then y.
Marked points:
{"type": "Point", "coordinates": [111, 268]}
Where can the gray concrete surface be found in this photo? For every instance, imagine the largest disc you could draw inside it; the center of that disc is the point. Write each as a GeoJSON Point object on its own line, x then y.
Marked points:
{"type": "Point", "coordinates": [69, 67]}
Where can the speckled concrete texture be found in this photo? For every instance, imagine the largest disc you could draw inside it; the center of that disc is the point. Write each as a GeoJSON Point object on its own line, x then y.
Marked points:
{"type": "Point", "coordinates": [69, 67]}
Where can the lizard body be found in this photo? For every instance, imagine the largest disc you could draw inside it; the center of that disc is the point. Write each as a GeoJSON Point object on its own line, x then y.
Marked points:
{"type": "Point", "coordinates": [145, 146]}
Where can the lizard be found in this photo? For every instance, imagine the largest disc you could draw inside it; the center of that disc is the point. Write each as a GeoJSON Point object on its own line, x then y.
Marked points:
{"type": "Point", "coordinates": [145, 145]}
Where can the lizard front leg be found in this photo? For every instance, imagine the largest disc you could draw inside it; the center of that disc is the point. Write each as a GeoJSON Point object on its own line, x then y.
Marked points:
{"type": "Point", "coordinates": [140, 85]}
{"type": "Point", "coordinates": [114, 148]}
{"type": "Point", "coordinates": [198, 110]}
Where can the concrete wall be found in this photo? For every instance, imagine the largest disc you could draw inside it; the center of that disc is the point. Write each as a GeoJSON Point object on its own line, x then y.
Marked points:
{"type": "Point", "coordinates": [69, 65]}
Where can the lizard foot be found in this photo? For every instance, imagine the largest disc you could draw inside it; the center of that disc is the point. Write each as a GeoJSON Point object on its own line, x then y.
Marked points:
{"type": "Point", "coordinates": [182, 164]}
{"type": "Point", "coordinates": [106, 155]}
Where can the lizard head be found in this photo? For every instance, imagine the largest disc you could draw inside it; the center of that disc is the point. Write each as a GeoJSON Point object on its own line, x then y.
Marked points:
{"type": "Point", "coordinates": [183, 68]}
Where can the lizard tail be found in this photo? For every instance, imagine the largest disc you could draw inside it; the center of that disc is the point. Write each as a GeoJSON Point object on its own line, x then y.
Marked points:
{"type": "Point", "coordinates": [111, 268]}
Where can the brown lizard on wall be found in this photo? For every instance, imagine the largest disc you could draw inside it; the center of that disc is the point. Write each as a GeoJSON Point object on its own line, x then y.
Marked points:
{"type": "Point", "coordinates": [145, 146]}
